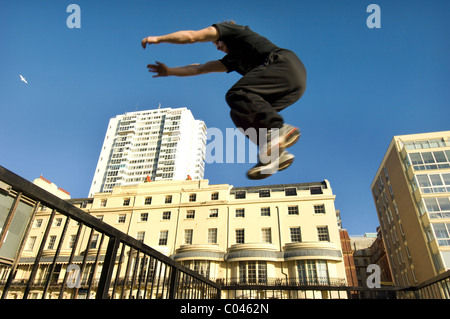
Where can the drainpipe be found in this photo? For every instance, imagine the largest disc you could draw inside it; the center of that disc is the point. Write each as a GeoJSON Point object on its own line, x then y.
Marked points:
{"type": "Point", "coordinates": [281, 248]}
{"type": "Point", "coordinates": [131, 217]}
{"type": "Point", "coordinates": [176, 227]}
{"type": "Point", "coordinates": [228, 241]}
{"type": "Point", "coordinates": [176, 232]}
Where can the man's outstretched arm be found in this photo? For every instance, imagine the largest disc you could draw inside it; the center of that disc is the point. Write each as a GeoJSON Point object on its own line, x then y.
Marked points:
{"type": "Point", "coordinates": [183, 37]}
{"type": "Point", "coordinates": [194, 69]}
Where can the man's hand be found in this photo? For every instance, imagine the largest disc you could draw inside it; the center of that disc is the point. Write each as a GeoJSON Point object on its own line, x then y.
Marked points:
{"type": "Point", "coordinates": [149, 40]}
{"type": "Point", "coordinates": [159, 68]}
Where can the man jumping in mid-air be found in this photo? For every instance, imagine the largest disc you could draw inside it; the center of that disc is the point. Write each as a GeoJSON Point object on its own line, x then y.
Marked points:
{"type": "Point", "coordinates": [273, 78]}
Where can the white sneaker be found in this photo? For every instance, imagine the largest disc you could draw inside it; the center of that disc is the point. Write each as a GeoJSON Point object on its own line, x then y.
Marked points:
{"type": "Point", "coordinates": [261, 171]}
{"type": "Point", "coordinates": [280, 139]}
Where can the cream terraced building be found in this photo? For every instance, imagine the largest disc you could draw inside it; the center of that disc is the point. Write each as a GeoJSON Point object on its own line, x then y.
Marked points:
{"type": "Point", "coordinates": [234, 235]}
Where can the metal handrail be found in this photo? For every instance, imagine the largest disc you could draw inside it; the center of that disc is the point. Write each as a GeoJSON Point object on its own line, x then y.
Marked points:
{"type": "Point", "coordinates": [154, 271]}
{"type": "Point", "coordinates": [30, 191]}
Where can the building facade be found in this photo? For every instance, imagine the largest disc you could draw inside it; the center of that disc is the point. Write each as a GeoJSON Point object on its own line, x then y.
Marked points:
{"type": "Point", "coordinates": [379, 258]}
{"type": "Point", "coordinates": [411, 190]}
{"type": "Point", "coordinates": [285, 234]}
{"type": "Point", "coordinates": [362, 255]}
{"type": "Point", "coordinates": [349, 261]}
{"type": "Point", "coordinates": [160, 144]}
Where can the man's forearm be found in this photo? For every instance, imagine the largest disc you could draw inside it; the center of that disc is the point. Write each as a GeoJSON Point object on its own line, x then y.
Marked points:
{"type": "Point", "coordinates": [188, 70]}
{"type": "Point", "coordinates": [183, 37]}
{"type": "Point", "coordinates": [193, 69]}
{"type": "Point", "coordinates": [179, 37]}
{"type": "Point", "coordinates": [196, 69]}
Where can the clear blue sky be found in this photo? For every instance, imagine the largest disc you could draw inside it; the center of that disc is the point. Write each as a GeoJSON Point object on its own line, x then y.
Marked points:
{"type": "Point", "coordinates": [364, 85]}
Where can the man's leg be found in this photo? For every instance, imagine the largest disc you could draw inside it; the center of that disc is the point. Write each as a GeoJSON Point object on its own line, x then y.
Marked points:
{"type": "Point", "coordinates": [258, 96]}
{"type": "Point", "coordinates": [255, 101]}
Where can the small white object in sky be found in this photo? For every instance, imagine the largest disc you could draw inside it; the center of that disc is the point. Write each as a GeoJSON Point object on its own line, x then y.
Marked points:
{"type": "Point", "coordinates": [23, 79]}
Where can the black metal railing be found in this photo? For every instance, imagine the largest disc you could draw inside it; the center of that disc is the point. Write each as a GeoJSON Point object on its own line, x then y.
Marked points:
{"type": "Point", "coordinates": [292, 288]}
{"type": "Point", "coordinates": [120, 266]}
{"type": "Point", "coordinates": [435, 288]}
{"type": "Point", "coordinates": [117, 266]}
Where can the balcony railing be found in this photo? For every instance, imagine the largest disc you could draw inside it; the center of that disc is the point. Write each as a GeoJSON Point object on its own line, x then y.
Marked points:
{"type": "Point", "coordinates": [128, 268]}
{"type": "Point", "coordinates": [279, 282]}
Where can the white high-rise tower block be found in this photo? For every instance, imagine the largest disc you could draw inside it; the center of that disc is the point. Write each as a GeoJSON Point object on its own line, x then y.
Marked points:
{"type": "Point", "coordinates": [152, 145]}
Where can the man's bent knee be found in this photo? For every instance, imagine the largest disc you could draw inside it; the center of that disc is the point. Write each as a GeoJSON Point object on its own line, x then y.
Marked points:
{"type": "Point", "coordinates": [234, 96]}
